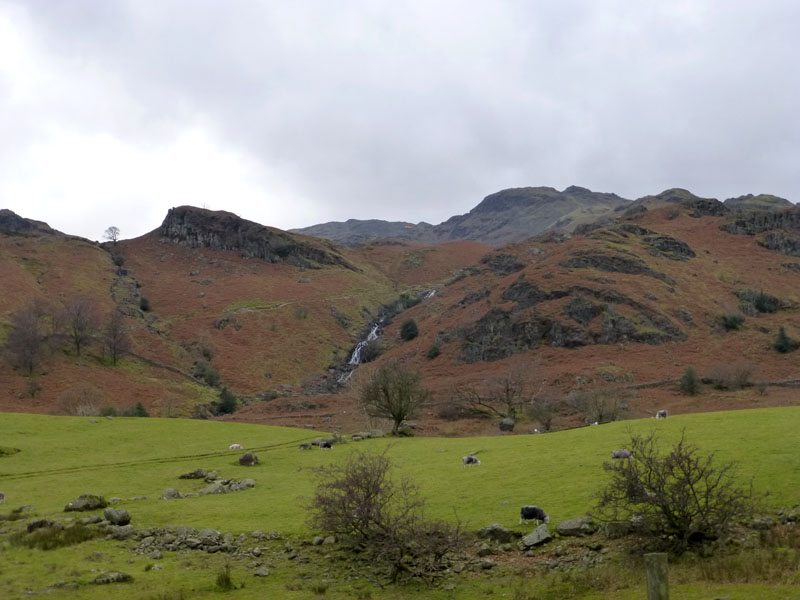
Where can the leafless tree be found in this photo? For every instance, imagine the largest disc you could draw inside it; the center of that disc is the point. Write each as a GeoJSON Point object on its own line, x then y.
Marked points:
{"type": "Point", "coordinates": [115, 336]}
{"type": "Point", "coordinates": [81, 400]}
{"type": "Point", "coordinates": [79, 320]}
{"type": "Point", "coordinates": [24, 343]}
{"type": "Point", "coordinates": [112, 234]}
{"type": "Point", "coordinates": [503, 397]}
{"type": "Point", "coordinates": [676, 499]}
{"type": "Point", "coordinates": [602, 405]}
{"type": "Point", "coordinates": [393, 392]}
{"type": "Point", "coordinates": [381, 517]}
{"type": "Point", "coordinates": [543, 408]}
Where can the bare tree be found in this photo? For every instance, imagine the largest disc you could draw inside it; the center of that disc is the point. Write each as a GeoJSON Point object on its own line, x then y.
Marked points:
{"type": "Point", "coordinates": [503, 397]}
{"type": "Point", "coordinates": [112, 234]}
{"type": "Point", "coordinates": [115, 336]}
{"type": "Point", "coordinates": [381, 517]}
{"type": "Point", "coordinates": [24, 340]}
{"type": "Point", "coordinates": [676, 499]}
{"type": "Point", "coordinates": [81, 400]}
{"type": "Point", "coordinates": [543, 408]}
{"type": "Point", "coordinates": [393, 392]}
{"type": "Point", "coordinates": [602, 405]}
{"type": "Point", "coordinates": [79, 319]}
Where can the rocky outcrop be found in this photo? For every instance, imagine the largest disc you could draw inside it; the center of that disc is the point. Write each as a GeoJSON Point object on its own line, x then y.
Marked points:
{"type": "Point", "coordinates": [757, 202]}
{"type": "Point", "coordinates": [497, 533]}
{"type": "Point", "coordinates": [527, 294]}
{"type": "Point", "coordinates": [219, 230]}
{"type": "Point", "coordinates": [540, 535]}
{"type": "Point", "coordinates": [668, 247]}
{"type": "Point", "coordinates": [503, 264]}
{"type": "Point", "coordinates": [117, 516]}
{"type": "Point", "coordinates": [12, 224]}
{"type": "Point", "coordinates": [86, 502]}
{"type": "Point", "coordinates": [248, 459]}
{"type": "Point", "coordinates": [579, 526]}
{"type": "Point", "coordinates": [778, 241]}
{"type": "Point", "coordinates": [758, 222]}
{"type": "Point", "coordinates": [613, 263]}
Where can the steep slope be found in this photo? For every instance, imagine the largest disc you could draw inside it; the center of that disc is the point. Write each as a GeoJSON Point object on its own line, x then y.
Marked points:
{"type": "Point", "coordinates": [624, 306]}
{"type": "Point", "coordinates": [266, 309]}
{"type": "Point", "coordinates": [501, 218]}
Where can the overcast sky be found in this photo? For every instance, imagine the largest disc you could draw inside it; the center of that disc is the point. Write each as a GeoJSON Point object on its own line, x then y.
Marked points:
{"type": "Point", "coordinates": [291, 113]}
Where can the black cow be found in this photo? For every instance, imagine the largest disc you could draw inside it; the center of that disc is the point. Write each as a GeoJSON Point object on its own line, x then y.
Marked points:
{"type": "Point", "coordinates": [470, 460]}
{"type": "Point", "coordinates": [528, 513]}
{"type": "Point", "coordinates": [662, 414]}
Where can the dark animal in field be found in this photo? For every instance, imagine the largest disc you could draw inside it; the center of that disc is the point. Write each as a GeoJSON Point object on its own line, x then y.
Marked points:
{"type": "Point", "coordinates": [662, 414]}
{"type": "Point", "coordinates": [470, 460]}
{"type": "Point", "coordinates": [325, 446]}
{"type": "Point", "coordinates": [2, 497]}
{"type": "Point", "coordinates": [305, 446]}
{"type": "Point", "coordinates": [533, 513]}
{"type": "Point", "coordinates": [622, 453]}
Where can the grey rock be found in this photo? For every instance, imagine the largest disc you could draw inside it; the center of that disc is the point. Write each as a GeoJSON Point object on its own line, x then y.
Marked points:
{"type": "Point", "coordinates": [318, 540]}
{"type": "Point", "coordinates": [256, 551]}
{"type": "Point", "coordinates": [261, 572]}
{"type": "Point", "coordinates": [485, 550]}
{"type": "Point", "coordinates": [112, 577]}
{"type": "Point", "coordinates": [196, 474]}
{"type": "Point", "coordinates": [114, 500]}
{"type": "Point", "coordinates": [496, 532]}
{"type": "Point", "coordinates": [576, 527]}
{"type": "Point", "coordinates": [90, 520]}
{"type": "Point", "coordinates": [248, 459]}
{"type": "Point", "coordinates": [39, 524]}
{"type": "Point", "coordinates": [487, 563]}
{"type": "Point", "coordinates": [171, 494]}
{"type": "Point", "coordinates": [156, 555]}
{"type": "Point", "coordinates": [86, 502]}
{"type": "Point", "coordinates": [117, 516]}
{"type": "Point", "coordinates": [329, 540]}
{"type": "Point", "coordinates": [507, 424]}
{"type": "Point", "coordinates": [123, 532]}
{"type": "Point", "coordinates": [538, 536]}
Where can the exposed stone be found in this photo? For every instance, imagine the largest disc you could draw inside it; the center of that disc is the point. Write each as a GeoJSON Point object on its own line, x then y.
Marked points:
{"type": "Point", "coordinates": [613, 263]}
{"type": "Point", "coordinates": [123, 532]}
{"type": "Point", "coordinates": [503, 263]}
{"type": "Point", "coordinates": [112, 577]}
{"type": "Point", "coordinates": [39, 524]}
{"type": "Point", "coordinates": [117, 516]}
{"type": "Point", "coordinates": [485, 550]}
{"type": "Point", "coordinates": [538, 536]}
{"type": "Point", "coordinates": [615, 529]}
{"type": "Point", "coordinates": [171, 494]}
{"type": "Point", "coordinates": [576, 527]}
{"type": "Point", "coordinates": [497, 533]}
{"type": "Point", "coordinates": [261, 572]}
{"type": "Point", "coordinates": [196, 474]}
{"type": "Point", "coordinates": [86, 502]}
{"type": "Point", "coordinates": [329, 540]}
{"type": "Point", "coordinates": [248, 459]}
{"type": "Point", "coordinates": [317, 541]}
{"type": "Point", "coordinates": [507, 424]}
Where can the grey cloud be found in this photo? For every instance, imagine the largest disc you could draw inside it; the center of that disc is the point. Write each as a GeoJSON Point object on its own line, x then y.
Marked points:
{"type": "Point", "coordinates": [415, 111]}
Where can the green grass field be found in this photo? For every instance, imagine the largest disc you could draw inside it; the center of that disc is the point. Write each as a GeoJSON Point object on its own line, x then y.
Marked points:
{"type": "Point", "coordinates": [63, 457]}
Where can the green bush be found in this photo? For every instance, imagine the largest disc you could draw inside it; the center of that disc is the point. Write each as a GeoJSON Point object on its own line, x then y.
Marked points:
{"type": "Point", "coordinates": [228, 402]}
{"type": "Point", "coordinates": [144, 304]}
{"type": "Point", "coordinates": [118, 260]}
{"type": "Point", "coordinates": [766, 303]}
{"type": "Point", "coordinates": [135, 410]}
{"type": "Point", "coordinates": [409, 330]}
{"type": "Point", "coordinates": [434, 351]}
{"type": "Point", "coordinates": [108, 411]}
{"type": "Point", "coordinates": [783, 343]}
{"type": "Point", "coordinates": [407, 300]}
{"type": "Point", "coordinates": [204, 371]}
{"type": "Point", "coordinates": [690, 382]}
{"type": "Point", "coordinates": [732, 322]}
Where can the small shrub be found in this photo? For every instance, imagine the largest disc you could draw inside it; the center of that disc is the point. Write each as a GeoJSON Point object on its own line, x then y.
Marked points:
{"type": "Point", "coordinates": [434, 351]}
{"type": "Point", "coordinates": [766, 303]}
{"type": "Point", "coordinates": [783, 343]}
{"type": "Point", "coordinates": [228, 403]}
{"type": "Point", "coordinates": [224, 581]}
{"type": "Point", "coordinates": [205, 372]}
{"type": "Point", "coordinates": [407, 300]}
{"type": "Point", "coordinates": [452, 410]}
{"type": "Point", "coordinates": [135, 410]}
{"type": "Point", "coordinates": [144, 304]}
{"type": "Point", "coordinates": [602, 405]}
{"type": "Point", "coordinates": [690, 382]}
{"type": "Point", "coordinates": [32, 387]}
{"type": "Point", "coordinates": [371, 350]}
{"type": "Point", "coordinates": [81, 400]}
{"type": "Point", "coordinates": [108, 411]}
{"type": "Point", "coordinates": [732, 322]}
{"type": "Point", "coordinates": [409, 330]}
{"type": "Point", "coordinates": [680, 499]}
{"type": "Point", "coordinates": [301, 313]}
{"type": "Point", "coordinates": [731, 376]}
{"type": "Point", "coordinates": [319, 587]}
{"type": "Point", "coordinates": [118, 260]}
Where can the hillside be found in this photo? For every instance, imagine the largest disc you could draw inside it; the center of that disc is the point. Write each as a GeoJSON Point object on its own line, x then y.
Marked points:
{"type": "Point", "coordinates": [221, 291]}
{"type": "Point", "coordinates": [624, 306]}
{"type": "Point", "coordinates": [507, 216]}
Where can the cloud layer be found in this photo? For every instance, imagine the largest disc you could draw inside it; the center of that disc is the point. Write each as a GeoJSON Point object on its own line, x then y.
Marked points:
{"type": "Point", "coordinates": [292, 114]}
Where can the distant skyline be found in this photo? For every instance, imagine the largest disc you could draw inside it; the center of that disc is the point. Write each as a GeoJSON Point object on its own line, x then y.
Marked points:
{"type": "Point", "coordinates": [292, 114]}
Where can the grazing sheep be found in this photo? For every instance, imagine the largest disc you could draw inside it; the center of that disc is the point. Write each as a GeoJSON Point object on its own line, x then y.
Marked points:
{"type": "Point", "coordinates": [528, 513]}
{"type": "Point", "coordinates": [662, 414]}
{"type": "Point", "coordinates": [469, 460]}
{"type": "Point", "coordinates": [593, 424]}
{"type": "Point", "coordinates": [622, 453]}
{"type": "Point", "coordinates": [305, 446]}
{"type": "Point", "coordinates": [235, 447]}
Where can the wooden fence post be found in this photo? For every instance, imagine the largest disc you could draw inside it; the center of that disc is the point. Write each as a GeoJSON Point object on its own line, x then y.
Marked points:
{"type": "Point", "coordinates": [657, 580]}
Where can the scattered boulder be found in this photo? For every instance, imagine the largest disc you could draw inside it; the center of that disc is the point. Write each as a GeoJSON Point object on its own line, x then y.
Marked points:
{"type": "Point", "coordinates": [538, 536]}
{"type": "Point", "coordinates": [86, 502]}
{"type": "Point", "coordinates": [497, 533]}
{"type": "Point", "coordinates": [248, 459]}
{"type": "Point", "coordinates": [112, 577]}
{"type": "Point", "coordinates": [615, 529]}
{"type": "Point", "coordinates": [171, 494]}
{"type": "Point", "coordinates": [196, 474]}
{"type": "Point", "coordinates": [40, 524]}
{"type": "Point", "coordinates": [507, 424]}
{"type": "Point", "coordinates": [261, 572]}
{"type": "Point", "coordinates": [579, 526]}
{"type": "Point", "coordinates": [117, 516]}
{"type": "Point", "coordinates": [123, 532]}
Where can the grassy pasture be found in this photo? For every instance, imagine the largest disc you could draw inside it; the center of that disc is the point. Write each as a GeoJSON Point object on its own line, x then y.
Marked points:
{"type": "Point", "coordinates": [63, 457]}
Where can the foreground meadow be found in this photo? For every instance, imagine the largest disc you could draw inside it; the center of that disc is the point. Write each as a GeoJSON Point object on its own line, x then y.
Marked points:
{"type": "Point", "coordinates": [60, 458]}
